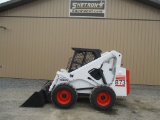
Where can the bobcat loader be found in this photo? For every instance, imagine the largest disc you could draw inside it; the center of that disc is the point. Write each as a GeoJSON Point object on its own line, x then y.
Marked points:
{"type": "Point", "coordinates": [89, 73]}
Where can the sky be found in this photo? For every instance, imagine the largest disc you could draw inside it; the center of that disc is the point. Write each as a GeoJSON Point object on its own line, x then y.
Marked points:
{"type": "Point", "coordinates": [1, 1]}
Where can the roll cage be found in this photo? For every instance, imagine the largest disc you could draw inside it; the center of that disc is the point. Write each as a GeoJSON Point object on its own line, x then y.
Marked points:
{"type": "Point", "coordinates": [81, 57]}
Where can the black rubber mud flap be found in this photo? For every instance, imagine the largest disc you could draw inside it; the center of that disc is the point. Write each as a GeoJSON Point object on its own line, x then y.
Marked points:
{"type": "Point", "coordinates": [38, 99]}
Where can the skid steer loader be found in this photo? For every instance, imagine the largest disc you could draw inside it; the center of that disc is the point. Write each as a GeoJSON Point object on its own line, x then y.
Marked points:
{"type": "Point", "coordinates": [89, 73]}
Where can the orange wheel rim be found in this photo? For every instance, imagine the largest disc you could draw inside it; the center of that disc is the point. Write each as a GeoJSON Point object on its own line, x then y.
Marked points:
{"type": "Point", "coordinates": [63, 97]}
{"type": "Point", "coordinates": [103, 99]}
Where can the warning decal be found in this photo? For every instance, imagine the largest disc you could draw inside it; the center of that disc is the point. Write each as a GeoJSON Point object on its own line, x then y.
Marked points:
{"type": "Point", "coordinates": [120, 81]}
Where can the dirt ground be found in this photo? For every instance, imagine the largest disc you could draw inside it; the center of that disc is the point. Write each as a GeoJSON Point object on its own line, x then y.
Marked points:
{"type": "Point", "coordinates": [142, 104]}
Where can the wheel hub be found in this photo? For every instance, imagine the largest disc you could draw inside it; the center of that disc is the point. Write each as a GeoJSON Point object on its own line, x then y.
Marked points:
{"type": "Point", "coordinates": [103, 98]}
{"type": "Point", "coordinates": [63, 97]}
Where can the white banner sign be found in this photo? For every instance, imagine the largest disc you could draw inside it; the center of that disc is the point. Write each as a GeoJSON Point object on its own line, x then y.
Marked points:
{"type": "Point", "coordinates": [87, 8]}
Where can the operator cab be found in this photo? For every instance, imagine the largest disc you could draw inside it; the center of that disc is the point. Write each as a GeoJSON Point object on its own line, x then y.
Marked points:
{"type": "Point", "coordinates": [81, 57]}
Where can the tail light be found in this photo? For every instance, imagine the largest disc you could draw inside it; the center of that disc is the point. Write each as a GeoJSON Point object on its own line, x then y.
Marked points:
{"type": "Point", "coordinates": [128, 81]}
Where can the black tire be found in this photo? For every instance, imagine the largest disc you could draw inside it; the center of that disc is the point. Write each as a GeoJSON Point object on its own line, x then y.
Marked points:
{"type": "Point", "coordinates": [64, 96]}
{"type": "Point", "coordinates": [102, 98]}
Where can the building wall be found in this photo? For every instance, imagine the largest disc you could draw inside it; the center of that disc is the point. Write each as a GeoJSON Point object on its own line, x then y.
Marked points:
{"type": "Point", "coordinates": [39, 37]}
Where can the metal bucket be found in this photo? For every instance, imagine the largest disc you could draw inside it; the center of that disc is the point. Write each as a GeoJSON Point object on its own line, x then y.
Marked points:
{"type": "Point", "coordinates": [39, 99]}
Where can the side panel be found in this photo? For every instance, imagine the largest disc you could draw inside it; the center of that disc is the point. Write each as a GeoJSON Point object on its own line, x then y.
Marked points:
{"type": "Point", "coordinates": [120, 82]}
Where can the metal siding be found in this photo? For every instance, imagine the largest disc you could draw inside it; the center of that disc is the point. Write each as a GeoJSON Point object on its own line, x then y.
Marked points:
{"type": "Point", "coordinates": [37, 47]}
{"type": "Point", "coordinates": [122, 9]}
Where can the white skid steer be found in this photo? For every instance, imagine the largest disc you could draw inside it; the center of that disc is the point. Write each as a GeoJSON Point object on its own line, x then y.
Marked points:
{"type": "Point", "coordinates": [89, 73]}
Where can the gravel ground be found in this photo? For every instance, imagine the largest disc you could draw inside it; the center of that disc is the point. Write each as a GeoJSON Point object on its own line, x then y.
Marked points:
{"type": "Point", "coordinates": [142, 104]}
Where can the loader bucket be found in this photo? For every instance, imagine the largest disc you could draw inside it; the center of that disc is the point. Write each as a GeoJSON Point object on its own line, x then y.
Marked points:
{"type": "Point", "coordinates": [38, 99]}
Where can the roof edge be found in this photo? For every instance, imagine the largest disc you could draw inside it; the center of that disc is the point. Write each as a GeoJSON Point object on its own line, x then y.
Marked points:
{"type": "Point", "coordinates": [12, 4]}
{"type": "Point", "coordinates": [152, 3]}
{"type": "Point", "coordinates": [16, 3]}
